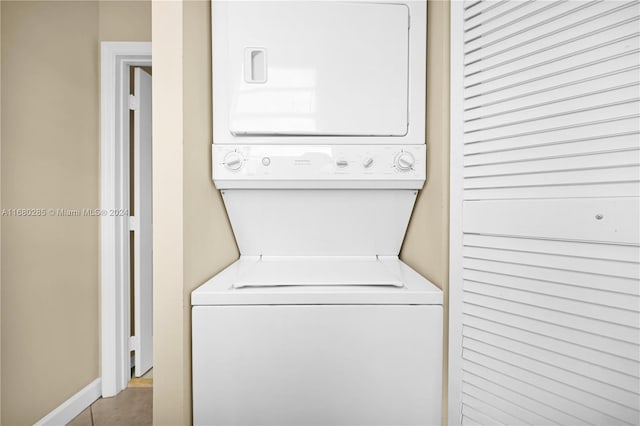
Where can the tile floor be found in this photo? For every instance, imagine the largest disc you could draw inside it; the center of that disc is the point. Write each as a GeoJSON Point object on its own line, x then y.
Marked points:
{"type": "Point", "coordinates": [131, 407]}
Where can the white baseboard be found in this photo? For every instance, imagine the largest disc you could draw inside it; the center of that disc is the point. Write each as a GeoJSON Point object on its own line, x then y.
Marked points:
{"type": "Point", "coordinates": [73, 406]}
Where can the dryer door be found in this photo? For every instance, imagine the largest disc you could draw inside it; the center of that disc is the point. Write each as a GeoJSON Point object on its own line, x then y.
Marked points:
{"type": "Point", "coordinates": [313, 68]}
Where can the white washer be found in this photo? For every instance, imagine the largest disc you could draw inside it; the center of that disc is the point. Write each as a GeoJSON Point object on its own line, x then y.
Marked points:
{"type": "Point", "coordinates": [317, 341]}
{"type": "Point", "coordinates": [318, 323]}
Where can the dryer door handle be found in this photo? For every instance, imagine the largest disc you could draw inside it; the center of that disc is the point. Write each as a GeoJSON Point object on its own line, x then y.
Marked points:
{"type": "Point", "coordinates": [255, 65]}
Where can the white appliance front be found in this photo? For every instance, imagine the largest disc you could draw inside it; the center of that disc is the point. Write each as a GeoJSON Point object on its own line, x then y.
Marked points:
{"type": "Point", "coordinates": [297, 365]}
{"type": "Point", "coordinates": [317, 280]}
{"type": "Point", "coordinates": [319, 152]}
{"type": "Point", "coordinates": [315, 71]}
{"type": "Point", "coordinates": [319, 200]}
{"type": "Point", "coordinates": [319, 166]}
{"type": "Point", "coordinates": [294, 341]}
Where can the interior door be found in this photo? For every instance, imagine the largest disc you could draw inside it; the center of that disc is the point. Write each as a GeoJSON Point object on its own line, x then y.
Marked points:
{"type": "Point", "coordinates": [545, 243]}
{"type": "Point", "coordinates": [143, 266]}
{"type": "Point", "coordinates": [317, 68]}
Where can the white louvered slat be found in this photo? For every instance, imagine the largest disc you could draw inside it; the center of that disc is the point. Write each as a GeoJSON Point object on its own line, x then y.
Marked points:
{"type": "Point", "coordinates": [547, 109]}
{"type": "Point", "coordinates": [470, 4]}
{"type": "Point", "coordinates": [516, 412]}
{"type": "Point", "coordinates": [614, 189]}
{"type": "Point", "coordinates": [593, 91]}
{"type": "Point", "coordinates": [531, 96]}
{"type": "Point", "coordinates": [605, 27]}
{"type": "Point", "coordinates": [580, 316]}
{"type": "Point", "coordinates": [555, 358]}
{"type": "Point", "coordinates": [489, 11]}
{"type": "Point", "coordinates": [547, 297]}
{"type": "Point", "coordinates": [615, 40]}
{"type": "Point", "coordinates": [571, 412]}
{"type": "Point", "coordinates": [611, 175]}
{"type": "Point", "coordinates": [513, 13]}
{"type": "Point", "coordinates": [598, 328]}
{"type": "Point", "coordinates": [561, 121]}
{"type": "Point", "coordinates": [486, 11]}
{"type": "Point", "coordinates": [573, 293]}
{"type": "Point", "coordinates": [581, 404]}
{"type": "Point", "coordinates": [592, 62]}
{"type": "Point", "coordinates": [541, 413]}
{"type": "Point", "coordinates": [494, 411]}
{"type": "Point", "coordinates": [507, 88]}
{"type": "Point", "coordinates": [588, 15]}
{"type": "Point", "coordinates": [617, 399]}
{"type": "Point", "coordinates": [627, 286]}
{"type": "Point", "coordinates": [592, 317]}
{"type": "Point", "coordinates": [466, 420]}
{"type": "Point", "coordinates": [478, 417]}
{"type": "Point", "coordinates": [625, 158]}
{"type": "Point", "coordinates": [626, 253]}
{"type": "Point", "coordinates": [626, 143]}
{"type": "Point", "coordinates": [576, 13]}
{"type": "Point", "coordinates": [527, 317]}
{"type": "Point", "coordinates": [556, 261]}
{"type": "Point", "coordinates": [624, 369]}
{"type": "Point", "coordinates": [599, 129]}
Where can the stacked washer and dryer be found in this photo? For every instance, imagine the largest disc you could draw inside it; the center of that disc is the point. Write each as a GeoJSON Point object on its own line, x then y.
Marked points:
{"type": "Point", "coordinates": [319, 153]}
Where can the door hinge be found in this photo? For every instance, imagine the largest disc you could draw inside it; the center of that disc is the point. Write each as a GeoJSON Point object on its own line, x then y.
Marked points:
{"type": "Point", "coordinates": [134, 343]}
{"type": "Point", "coordinates": [134, 103]}
{"type": "Point", "coordinates": [133, 223]}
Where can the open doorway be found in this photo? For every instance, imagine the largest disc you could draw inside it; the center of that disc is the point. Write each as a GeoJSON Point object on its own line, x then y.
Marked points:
{"type": "Point", "coordinates": [126, 214]}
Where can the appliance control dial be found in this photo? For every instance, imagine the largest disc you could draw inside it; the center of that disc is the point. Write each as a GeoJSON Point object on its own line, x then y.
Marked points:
{"type": "Point", "coordinates": [233, 161]}
{"type": "Point", "coordinates": [367, 162]}
{"type": "Point", "coordinates": [404, 161]}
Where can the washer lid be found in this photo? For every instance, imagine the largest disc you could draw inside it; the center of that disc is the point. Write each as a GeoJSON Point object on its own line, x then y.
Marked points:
{"type": "Point", "coordinates": [314, 271]}
{"type": "Point", "coordinates": [253, 280]}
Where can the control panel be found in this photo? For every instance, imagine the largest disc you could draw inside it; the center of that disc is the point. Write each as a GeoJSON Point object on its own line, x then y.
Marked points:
{"type": "Point", "coordinates": [361, 166]}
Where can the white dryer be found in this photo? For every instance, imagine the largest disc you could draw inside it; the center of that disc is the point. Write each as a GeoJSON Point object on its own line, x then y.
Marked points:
{"type": "Point", "coordinates": [318, 322]}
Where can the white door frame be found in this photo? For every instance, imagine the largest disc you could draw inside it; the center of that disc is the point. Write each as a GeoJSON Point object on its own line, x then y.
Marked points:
{"type": "Point", "coordinates": [116, 58]}
{"type": "Point", "coordinates": [454, 401]}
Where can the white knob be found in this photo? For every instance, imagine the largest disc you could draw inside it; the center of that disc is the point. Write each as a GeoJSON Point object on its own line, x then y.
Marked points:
{"type": "Point", "coordinates": [233, 161]}
{"type": "Point", "coordinates": [405, 161]}
{"type": "Point", "coordinates": [368, 162]}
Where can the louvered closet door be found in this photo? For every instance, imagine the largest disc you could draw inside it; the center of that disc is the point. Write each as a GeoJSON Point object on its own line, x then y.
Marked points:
{"type": "Point", "coordinates": [546, 296]}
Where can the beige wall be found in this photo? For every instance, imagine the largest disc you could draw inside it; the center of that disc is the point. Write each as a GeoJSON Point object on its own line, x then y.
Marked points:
{"type": "Point", "coordinates": [209, 244]}
{"type": "Point", "coordinates": [426, 245]}
{"type": "Point", "coordinates": [192, 236]}
{"type": "Point", "coordinates": [169, 344]}
{"type": "Point", "coordinates": [50, 159]}
{"type": "Point", "coordinates": [124, 20]}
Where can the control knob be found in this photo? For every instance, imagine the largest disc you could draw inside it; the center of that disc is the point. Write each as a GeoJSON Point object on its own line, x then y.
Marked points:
{"type": "Point", "coordinates": [404, 161]}
{"type": "Point", "coordinates": [233, 161]}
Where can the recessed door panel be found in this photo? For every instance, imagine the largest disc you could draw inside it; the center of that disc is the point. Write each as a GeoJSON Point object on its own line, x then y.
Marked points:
{"type": "Point", "coordinates": [143, 238]}
{"type": "Point", "coordinates": [317, 68]}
